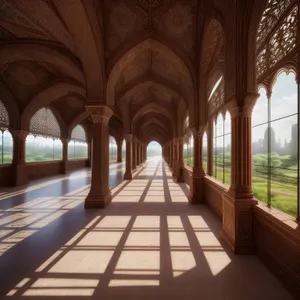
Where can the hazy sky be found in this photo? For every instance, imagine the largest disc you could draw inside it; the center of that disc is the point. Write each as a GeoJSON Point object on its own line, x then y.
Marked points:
{"type": "Point", "coordinates": [283, 103]}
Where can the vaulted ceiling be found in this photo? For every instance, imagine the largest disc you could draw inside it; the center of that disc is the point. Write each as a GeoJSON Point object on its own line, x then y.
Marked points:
{"type": "Point", "coordinates": [140, 57]}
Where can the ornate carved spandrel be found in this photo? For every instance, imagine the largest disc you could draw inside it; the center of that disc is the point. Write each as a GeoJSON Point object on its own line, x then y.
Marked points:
{"type": "Point", "coordinates": [273, 11]}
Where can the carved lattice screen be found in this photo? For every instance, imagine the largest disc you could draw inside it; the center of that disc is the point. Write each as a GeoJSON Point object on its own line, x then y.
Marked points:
{"type": "Point", "coordinates": [277, 33]}
{"type": "Point", "coordinates": [4, 118]}
{"type": "Point", "coordinates": [44, 123]}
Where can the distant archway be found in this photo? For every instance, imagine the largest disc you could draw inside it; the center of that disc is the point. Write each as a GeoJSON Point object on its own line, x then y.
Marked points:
{"type": "Point", "coordinates": [154, 150]}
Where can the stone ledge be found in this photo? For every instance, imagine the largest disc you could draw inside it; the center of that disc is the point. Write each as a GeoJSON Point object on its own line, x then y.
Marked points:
{"type": "Point", "coordinates": [286, 226]}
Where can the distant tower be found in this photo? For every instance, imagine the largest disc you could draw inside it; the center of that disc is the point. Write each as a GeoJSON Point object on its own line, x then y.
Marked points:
{"type": "Point", "coordinates": [273, 141]}
{"type": "Point", "coordinates": [294, 141]}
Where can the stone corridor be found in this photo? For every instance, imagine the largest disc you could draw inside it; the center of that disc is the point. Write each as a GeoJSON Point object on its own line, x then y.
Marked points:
{"type": "Point", "coordinates": [149, 243]}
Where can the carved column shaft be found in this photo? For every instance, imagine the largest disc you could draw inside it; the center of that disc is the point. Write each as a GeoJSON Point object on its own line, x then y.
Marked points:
{"type": "Point", "coordinates": [99, 195]}
{"type": "Point", "coordinates": [128, 171]}
{"type": "Point", "coordinates": [19, 148]}
{"type": "Point", "coordinates": [65, 145]}
{"type": "Point", "coordinates": [134, 154]}
{"type": "Point", "coordinates": [237, 225]}
{"type": "Point", "coordinates": [197, 184]}
{"type": "Point", "coordinates": [178, 163]}
{"type": "Point", "coordinates": [119, 151]}
{"type": "Point", "coordinates": [210, 148]}
{"type": "Point", "coordinates": [19, 155]}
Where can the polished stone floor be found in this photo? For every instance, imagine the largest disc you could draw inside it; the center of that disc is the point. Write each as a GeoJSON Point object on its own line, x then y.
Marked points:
{"type": "Point", "coordinates": [148, 244]}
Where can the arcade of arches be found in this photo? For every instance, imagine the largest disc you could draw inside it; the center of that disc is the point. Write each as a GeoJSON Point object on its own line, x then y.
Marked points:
{"type": "Point", "coordinates": [86, 85]}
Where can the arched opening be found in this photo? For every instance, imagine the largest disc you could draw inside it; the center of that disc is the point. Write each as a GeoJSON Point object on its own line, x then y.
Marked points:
{"type": "Point", "coordinates": [154, 150]}
{"type": "Point", "coordinates": [78, 147]}
{"type": "Point", "coordinates": [275, 145]}
{"type": "Point", "coordinates": [6, 141]}
{"type": "Point", "coordinates": [43, 142]}
{"type": "Point", "coordinates": [113, 149]}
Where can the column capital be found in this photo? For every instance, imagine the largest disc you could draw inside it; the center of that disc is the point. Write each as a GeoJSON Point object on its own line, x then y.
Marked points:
{"type": "Point", "coordinates": [21, 134]}
{"type": "Point", "coordinates": [198, 132]}
{"type": "Point", "coordinates": [244, 110]}
{"type": "Point", "coordinates": [178, 140]}
{"type": "Point", "coordinates": [100, 113]}
{"type": "Point", "coordinates": [128, 138]}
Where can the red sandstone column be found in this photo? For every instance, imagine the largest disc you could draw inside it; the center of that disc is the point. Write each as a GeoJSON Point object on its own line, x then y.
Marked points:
{"type": "Point", "coordinates": [128, 172]}
{"type": "Point", "coordinates": [171, 155]}
{"type": "Point", "coordinates": [119, 151]}
{"type": "Point", "coordinates": [138, 153]}
{"type": "Point", "coordinates": [65, 144]}
{"type": "Point", "coordinates": [133, 154]}
{"type": "Point", "coordinates": [100, 194]}
{"type": "Point", "coordinates": [210, 148]}
{"type": "Point", "coordinates": [19, 176]}
{"type": "Point", "coordinates": [238, 203]}
{"type": "Point", "coordinates": [197, 184]}
{"type": "Point", "coordinates": [178, 164]}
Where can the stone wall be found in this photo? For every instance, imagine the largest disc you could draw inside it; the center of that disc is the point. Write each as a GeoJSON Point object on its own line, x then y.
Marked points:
{"type": "Point", "coordinates": [40, 170]}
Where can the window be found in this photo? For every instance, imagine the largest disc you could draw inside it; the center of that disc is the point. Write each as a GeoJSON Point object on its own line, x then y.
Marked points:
{"type": "Point", "coordinates": [222, 148]}
{"type": "Point", "coordinates": [188, 150]}
{"type": "Point", "coordinates": [6, 147]}
{"type": "Point", "coordinates": [113, 149]}
{"type": "Point", "coordinates": [204, 152]}
{"type": "Point", "coordinates": [78, 147]}
{"type": "Point", "coordinates": [124, 150]}
{"type": "Point", "coordinates": [275, 146]}
{"type": "Point", "coordinates": [43, 143]}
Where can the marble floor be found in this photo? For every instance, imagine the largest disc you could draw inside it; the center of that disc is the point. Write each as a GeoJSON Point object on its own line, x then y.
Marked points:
{"type": "Point", "coordinates": [149, 243]}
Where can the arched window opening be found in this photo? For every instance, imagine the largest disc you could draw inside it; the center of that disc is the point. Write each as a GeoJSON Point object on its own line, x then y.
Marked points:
{"type": "Point", "coordinates": [204, 152]}
{"type": "Point", "coordinates": [124, 150]}
{"type": "Point", "coordinates": [113, 149]}
{"type": "Point", "coordinates": [188, 149]}
{"type": "Point", "coordinates": [277, 33]}
{"type": "Point", "coordinates": [222, 148]}
{"type": "Point", "coordinates": [215, 87]}
{"type": "Point", "coordinates": [43, 143]}
{"type": "Point", "coordinates": [6, 140]}
{"type": "Point", "coordinates": [275, 146]}
{"type": "Point", "coordinates": [78, 147]}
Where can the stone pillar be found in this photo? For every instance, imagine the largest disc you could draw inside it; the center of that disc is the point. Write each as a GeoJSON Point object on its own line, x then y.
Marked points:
{"type": "Point", "coordinates": [90, 155]}
{"type": "Point", "coordinates": [197, 184]}
{"type": "Point", "coordinates": [65, 145]}
{"type": "Point", "coordinates": [137, 154]}
{"type": "Point", "coordinates": [100, 194]}
{"type": "Point", "coordinates": [119, 151]}
{"type": "Point", "coordinates": [178, 164]}
{"type": "Point", "coordinates": [171, 155]}
{"type": "Point", "coordinates": [128, 171]}
{"type": "Point", "coordinates": [19, 174]}
{"type": "Point", "coordinates": [210, 148]}
{"type": "Point", "coordinates": [238, 203]}
{"type": "Point", "coordinates": [133, 154]}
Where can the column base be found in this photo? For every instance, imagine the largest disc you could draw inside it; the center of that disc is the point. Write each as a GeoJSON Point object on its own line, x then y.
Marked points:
{"type": "Point", "coordinates": [19, 175]}
{"type": "Point", "coordinates": [197, 187]}
{"type": "Point", "coordinates": [64, 167]}
{"type": "Point", "coordinates": [128, 176]}
{"type": "Point", "coordinates": [237, 223]}
{"type": "Point", "coordinates": [177, 174]}
{"type": "Point", "coordinates": [97, 200]}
